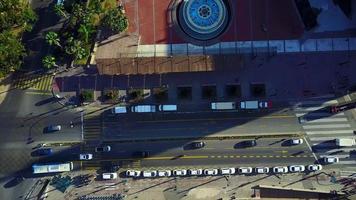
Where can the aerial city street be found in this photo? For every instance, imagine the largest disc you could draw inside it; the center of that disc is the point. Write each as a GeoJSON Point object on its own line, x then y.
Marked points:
{"type": "Point", "coordinates": [177, 99]}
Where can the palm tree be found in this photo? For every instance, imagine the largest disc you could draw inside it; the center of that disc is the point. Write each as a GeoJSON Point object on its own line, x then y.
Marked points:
{"type": "Point", "coordinates": [59, 10]}
{"type": "Point", "coordinates": [85, 31]}
{"type": "Point", "coordinates": [53, 39]}
{"type": "Point", "coordinates": [49, 61]}
{"type": "Point", "coordinates": [75, 48]}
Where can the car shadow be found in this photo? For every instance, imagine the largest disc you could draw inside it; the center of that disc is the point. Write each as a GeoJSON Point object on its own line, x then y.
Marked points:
{"type": "Point", "coordinates": [45, 101]}
{"type": "Point", "coordinates": [13, 182]}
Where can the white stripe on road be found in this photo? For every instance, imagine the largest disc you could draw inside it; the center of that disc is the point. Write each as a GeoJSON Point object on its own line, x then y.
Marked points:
{"type": "Point", "coordinates": [327, 120]}
{"type": "Point", "coordinates": [321, 102]}
{"type": "Point", "coordinates": [309, 108]}
{"type": "Point", "coordinates": [329, 138]}
{"type": "Point", "coordinates": [339, 156]}
{"type": "Point", "coordinates": [347, 131]}
{"type": "Point", "coordinates": [319, 114]}
{"type": "Point", "coordinates": [326, 126]}
{"type": "Point", "coordinates": [346, 150]}
{"type": "Point", "coordinates": [347, 162]}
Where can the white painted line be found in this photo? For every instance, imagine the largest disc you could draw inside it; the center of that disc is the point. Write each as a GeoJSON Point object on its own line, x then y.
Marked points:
{"type": "Point", "coordinates": [348, 131]}
{"type": "Point", "coordinates": [310, 108]}
{"type": "Point", "coordinates": [344, 119]}
{"type": "Point", "coordinates": [346, 150]}
{"type": "Point", "coordinates": [329, 138]}
{"type": "Point", "coordinates": [338, 155]}
{"type": "Point", "coordinates": [311, 150]}
{"type": "Point", "coordinates": [347, 162]}
{"type": "Point", "coordinates": [326, 126]}
{"type": "Point", "coordinates": [319, 114]}
{"type": "Point", "coordinates": [316, 102]}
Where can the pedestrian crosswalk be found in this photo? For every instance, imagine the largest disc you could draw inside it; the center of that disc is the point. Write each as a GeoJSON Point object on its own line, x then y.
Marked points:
{"type": "Point", "coordinates": [42, 82]}
{"type": "Point", "coordinates": [322, 127]}
{"type": "Point", "coordinates": [92, 127]}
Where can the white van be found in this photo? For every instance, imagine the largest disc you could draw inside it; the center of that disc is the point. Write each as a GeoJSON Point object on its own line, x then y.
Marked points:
{"type": "Point", "coordinates": [119, 109]}
{"type": "Point", "coordinates": [249, 105]}
{"type": "Point", "coordinates": [143, 108]}
{"type": "Point", "coordinates": [108, 176]}
{"type": "Point", "coordinates": [223, 105]}
{"type": "Point", "coordinates": [167, 107]}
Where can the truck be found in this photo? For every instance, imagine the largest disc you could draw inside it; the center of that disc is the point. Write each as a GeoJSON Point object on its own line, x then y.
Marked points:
{"type": "Point", "coordinates": [249, 104]}
{"type": "Point", "coordinates": [223, 105]}
{"type": "Point", "coordinates": [143, 108]}
{"type": "Point", "coordinates": [345, 142]}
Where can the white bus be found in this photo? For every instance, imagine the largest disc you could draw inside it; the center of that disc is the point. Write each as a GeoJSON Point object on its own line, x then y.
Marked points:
{"type": "Point", "coordinates": [51, 168]}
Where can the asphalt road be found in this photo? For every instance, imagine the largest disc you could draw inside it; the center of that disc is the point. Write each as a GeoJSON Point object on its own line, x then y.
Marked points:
{"type": "Point", "coordinates": [171, 125]}
{"type": "Point", "coordinates": [268, 152]}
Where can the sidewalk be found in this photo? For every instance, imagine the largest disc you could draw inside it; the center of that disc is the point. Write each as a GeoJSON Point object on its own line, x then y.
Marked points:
{"type": "Point", "coordinates": [195, 188]}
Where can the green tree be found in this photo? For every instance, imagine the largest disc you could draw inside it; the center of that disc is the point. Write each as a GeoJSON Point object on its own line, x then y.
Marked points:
{"type": "Point", "coordinates": [116, 20]}
{"type": "Point", "coordinates": [75, 48]}
{"type": "Point", "coordinates": [49, 61]}
{"type": "Point", "coordinates": [60, 11]}
{"type": "Point", "coordinates": [11, 53]}
{"type": "Point", "coordinates": [52, 39]}
{"type": "Point", "coordinates": [16, 13]}
{"type": "Point", "coordinates": [85, 31]}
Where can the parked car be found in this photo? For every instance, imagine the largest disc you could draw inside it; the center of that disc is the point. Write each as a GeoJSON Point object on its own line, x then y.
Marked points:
{"type": "Point", "coordinates": [86, 156]}
{"type": "Point", "coordinates": [211, 172]}
{"type": "Point", "coordinates": [331, 159]}
{"type": "Point", "coordinates": [163, 173]}
{"type": "Point", "coordinates": [141, 154]}
{"type": "Point", "coordinates": [265, 104]}
{"type": "Point", "coordinates": [261, 170]}
{"type": "Point", "coordinates": [280, 169]}
{"type": "Point", "coordinates": [296, 168]}
{"type": "Point", "coordinates": [296, 141]}
{"type": "Point", "coordinates": [227, 171]}
{"type": "Point", "coordinates": [314, 167]}
{"type": "Point", "coordinates": [180, 172]}
{"type": "Point", "coordinates": [195, 172]}
{"type": "Point", "coordinates": [245, 170]}
{"type": "Point", "coordinates": [43, 152]}
{"type": "Point", "coordinates": [108, 176]}
{"type": "Point", "coordinates": [197, 145]}
{"type": "Point", "coordinates": [133, 173]}
{"type": "Point", "coordinates": [103, 149]}
{"type": "Point", "coordinates": [149, 174]}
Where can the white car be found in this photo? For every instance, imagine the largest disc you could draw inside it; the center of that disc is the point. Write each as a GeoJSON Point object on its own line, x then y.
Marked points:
{"type": "Point", "coordinates": [86, 156]}
{"type": "Point", "coordinates": [296, 168]}
{"type": "Point", "coordinates": [261, 170]}
{"type": "Point", "coordinates": [314, 167]}
{"type": "Point", "coordinates": [164, 173]}
{"type": "Point", "coordinates": [133, 173]}
{"type": "Point", "coordinates": [331, 159]}
{"type": "Point", "coordinates": [280, 169]}
{"type": "Point", "coordinates": [149, 174]}
{"type": "Point", "coordinates": [108, 176]}
{"type": "Point", "coordinates": [180, 172]}
{"type": "Point", "coordinates": [210, 172]}
{"type": "Point", "coordinates": [245, 170]}
{"type": "Point", "coordinates": [195, 172]}
{"type": "Point", "coordinates": [227, 171]}
{"type": "Point", "coordinates": [296, 141]}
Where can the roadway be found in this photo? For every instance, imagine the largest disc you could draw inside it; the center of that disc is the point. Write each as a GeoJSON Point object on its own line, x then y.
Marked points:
{"type": "Point", "coordinates": [177, 153]}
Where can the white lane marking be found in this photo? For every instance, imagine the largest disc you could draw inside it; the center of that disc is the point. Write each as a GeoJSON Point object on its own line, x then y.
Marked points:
{"type": "Point", "coordinates": [347, 131]}
{"type": "Point", "coordinates": [329, 138]}
{"type": "Point", "coordinates": [314, 108]}
{"type": "Point", "coordinates": [322, 120]}
{"type": "Point", "coordinates": [326, 126]}
{"type": "Point", "coordinates": [306, 141]}
{"type": "Point", "coordinates": [346, 150]}
{"type": "Point", "coordinates": [338, 155]}
{"type": "Point", "coordinates": [319, 114]}
{"type": "Point", "coordinates": [347, 162]}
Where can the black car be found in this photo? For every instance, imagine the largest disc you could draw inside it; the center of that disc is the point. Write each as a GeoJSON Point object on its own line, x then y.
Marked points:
{"type": "Point", "coordinates": [197, 145]}
{"type": "Point", "coordinates": [141, 154]}
{"type": "Point", "coordinates": [248, 143]}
